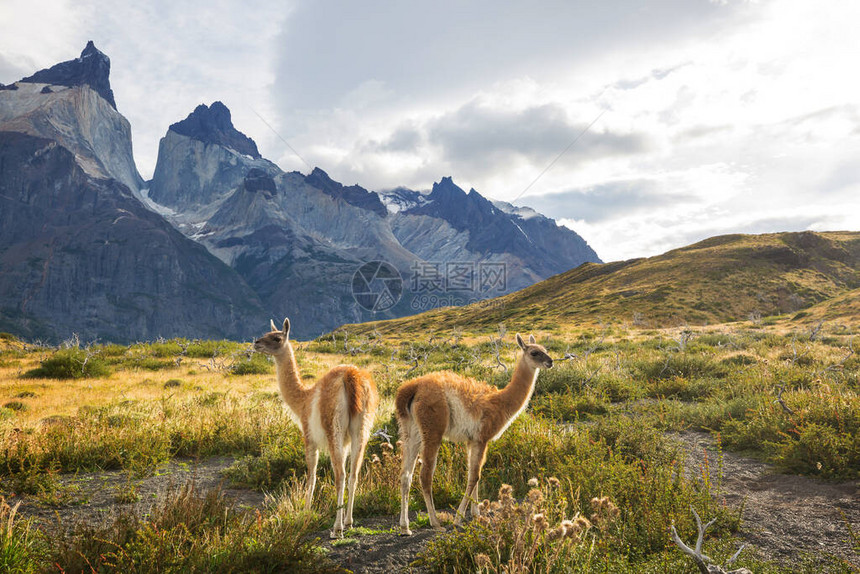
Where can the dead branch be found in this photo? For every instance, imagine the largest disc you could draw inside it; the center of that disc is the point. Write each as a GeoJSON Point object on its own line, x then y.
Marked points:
{"type": "Point", "coordinates": [815, 330]}
{"type": "Point", "coordinates": [797, 357]}
{"type": "Point", "coordinates": [780, 401]}
{"type": "Point", "coordinates": [703, 562]}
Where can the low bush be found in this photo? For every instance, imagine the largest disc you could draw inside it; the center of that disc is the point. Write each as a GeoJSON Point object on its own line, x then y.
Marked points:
{"type": "Point", "coordinates": [252, 364]}
{"type": "Point", "coordinates": [72, 363]}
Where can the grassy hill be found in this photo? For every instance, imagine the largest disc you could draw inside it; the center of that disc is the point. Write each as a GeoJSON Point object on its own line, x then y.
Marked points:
{"type": "Point", "coordinates": [722, 279]}
{"type": "Point", "coordinates": [843, 309]}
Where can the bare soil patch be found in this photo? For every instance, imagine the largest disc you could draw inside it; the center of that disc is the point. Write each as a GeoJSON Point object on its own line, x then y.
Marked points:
{"type": "Point", "coordinates": [385, 552]}
{"type": "Point", "coordinates": [784, 516]}
{"type": "Point", "coordinates": [94, 497]}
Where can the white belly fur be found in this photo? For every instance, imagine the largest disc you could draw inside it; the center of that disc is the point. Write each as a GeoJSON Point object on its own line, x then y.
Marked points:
{"type": "Point", "coordinates": [318, 433]}
{"type": "Point", "coordinates": [462, 425]}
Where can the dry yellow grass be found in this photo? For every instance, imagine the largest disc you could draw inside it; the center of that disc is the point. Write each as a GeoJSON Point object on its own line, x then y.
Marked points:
{"type": "Point", "coordinates": [55, 397]}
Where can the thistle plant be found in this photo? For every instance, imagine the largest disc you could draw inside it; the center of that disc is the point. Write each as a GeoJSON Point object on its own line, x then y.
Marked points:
{"type": "Point", "coordinates": [514, 536]}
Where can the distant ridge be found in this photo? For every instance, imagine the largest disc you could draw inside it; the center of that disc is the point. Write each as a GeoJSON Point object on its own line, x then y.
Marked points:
{"type": "Point", "coordinates": [721, 279]}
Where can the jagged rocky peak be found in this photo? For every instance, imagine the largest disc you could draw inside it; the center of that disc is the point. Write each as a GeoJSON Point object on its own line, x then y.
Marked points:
{"type": "Point", "coordinates": [92, 68]}
{"type": "Point", "coordinates": [446, 189]}
{"type": "Point", "coordinates": [213, 124]}
{"type": "Point", "coordinates": [462, 210]}
{"type": "Point", "coordinates": [353, 194]}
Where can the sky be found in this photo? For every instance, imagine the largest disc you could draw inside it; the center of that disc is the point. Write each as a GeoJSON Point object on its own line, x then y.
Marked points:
{"type": "Point", "coordinates": [641, 125]}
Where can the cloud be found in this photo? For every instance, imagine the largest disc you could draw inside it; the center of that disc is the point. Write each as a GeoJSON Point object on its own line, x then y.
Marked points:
{"type": "Point", "coordinates": [479, 137]}
{"type": "Point", "coordinates": [655, 74]}
{"type": "Point", "coordinates": [424, 50]}
{"type": "Point", "coordinates": [10, 71]}
{"type": "Point", "coordinates": [472, 141]}
{"type": "Point", "coordinates": [607, 201]}
{"type": "Point", "coordinates": [645, 236]}
{"type": "Point", "coordinates": [407, 138]}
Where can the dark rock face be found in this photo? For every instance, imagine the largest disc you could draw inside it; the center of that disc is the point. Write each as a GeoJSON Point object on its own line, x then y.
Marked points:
{"type": "Point", "coordinates": [298, 248]}
{"type": "Point", "coordinates": [82, 255]}
{"type": "Point", "coordinates": [214, 125]}
{"type": "Point", "coordinates": [538, 241]}
{"type": "Point", "coordinates": [92, 68]}
{"type": "Point", "coordinates": [259, 180]}
{"type": "Point", "coordinates": [353, 195]}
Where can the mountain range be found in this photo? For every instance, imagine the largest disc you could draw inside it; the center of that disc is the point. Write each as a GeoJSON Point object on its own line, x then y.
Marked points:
{"type": "Point", "coordinates": [221, 239]}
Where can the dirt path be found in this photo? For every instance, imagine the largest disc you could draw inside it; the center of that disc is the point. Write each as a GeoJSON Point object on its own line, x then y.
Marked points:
{"type": "Point", "coordinates": [95, 497]}
{"type": "Point", "coordinates": [784, 515]}
{"type": "Point", "coordinates": [382, 553]}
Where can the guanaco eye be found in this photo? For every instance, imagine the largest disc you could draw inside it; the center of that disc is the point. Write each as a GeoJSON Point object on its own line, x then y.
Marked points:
{"type": "Point", "coordinates": [534, 353]}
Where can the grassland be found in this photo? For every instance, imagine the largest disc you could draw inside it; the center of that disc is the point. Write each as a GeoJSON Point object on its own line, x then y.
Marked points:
{"type": "Point", "coordinates": [750, 339]}
{"type": "Point", "coordinates": [598, 427]}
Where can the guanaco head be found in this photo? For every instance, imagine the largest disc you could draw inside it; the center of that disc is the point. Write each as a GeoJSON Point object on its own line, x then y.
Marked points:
{"type": "Point", "coordinates": [534, 355]}
{"type": "Point", "coordinates": [275, 341]}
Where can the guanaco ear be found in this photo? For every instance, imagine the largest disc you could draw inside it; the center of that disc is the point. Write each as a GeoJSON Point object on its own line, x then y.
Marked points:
{"type": "Point", "coordinates": [520, 342]}
{"type": "Point", "coordinates": [287, 326]}
{"type": "Point", "coordinates": [272, 323]}
{"type": "Point", "coordinates": [532, 340]}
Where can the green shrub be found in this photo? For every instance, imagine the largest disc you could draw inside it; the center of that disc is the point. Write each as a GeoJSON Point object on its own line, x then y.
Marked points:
{"type": "Point", "coordinates": [739, 360]}
{"type": "Point", "coordinates": [72, 363]}
{"type": "Point", "coordinates": [680, 387]}
{"type": "Point", "coordinates": [685, 365]}
{"type": "Point", "coordinates": [253, 364]}
{"type": "Point", "coordinates": [820, 450]}
{"type": "Point", "coordinates": [150, 363]}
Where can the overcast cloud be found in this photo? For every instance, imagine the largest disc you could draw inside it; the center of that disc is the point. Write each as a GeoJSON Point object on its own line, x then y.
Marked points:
{"type": "Point", "coordinates": [711, 116]}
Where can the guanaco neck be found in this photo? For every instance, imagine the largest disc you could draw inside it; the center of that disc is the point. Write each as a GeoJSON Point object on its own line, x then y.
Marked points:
{"type": "Point", "coordinates": [519, 390]}
{"type": "Point", "coordinates": [294, 393]}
